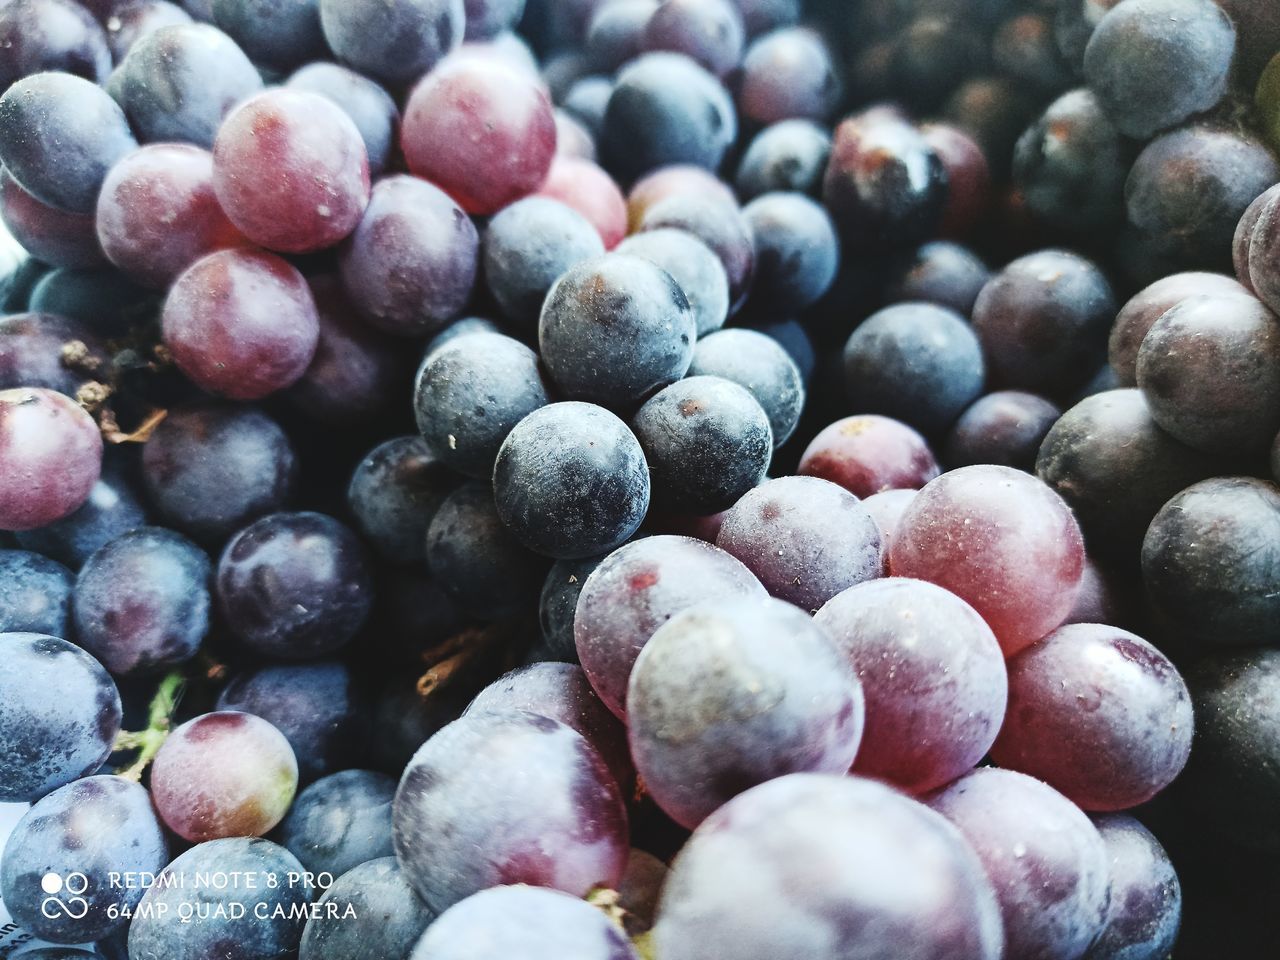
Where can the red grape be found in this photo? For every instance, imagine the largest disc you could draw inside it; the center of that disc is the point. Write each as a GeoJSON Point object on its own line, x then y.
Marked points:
{"type": "Point", "coordinates": [868, 455]}
{"type": "Point", "coordinates": [241, 324]}
{"type": "Point", "coordinates": [319, 172]}
{"type": "Point", "coordinates": [1001, 540]}
{"type": "Point", "coordinates": [50, 457]}
{"type": "Point", "coordinates": [886, 509]}
{"type": "Point", "coordinates": [57, 237]}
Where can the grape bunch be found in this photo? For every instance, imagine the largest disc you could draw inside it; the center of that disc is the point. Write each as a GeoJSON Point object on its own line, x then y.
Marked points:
{"type": "Point", "coordinates": [639, 479]}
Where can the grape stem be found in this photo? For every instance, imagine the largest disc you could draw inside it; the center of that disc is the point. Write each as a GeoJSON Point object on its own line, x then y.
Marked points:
{"type": "Point", "coordinates": [159, 721]}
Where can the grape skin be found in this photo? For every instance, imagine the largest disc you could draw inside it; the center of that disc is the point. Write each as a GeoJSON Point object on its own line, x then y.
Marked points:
{"type": "Point", "coordinates": [113, 508]}
{"type": "Point", "coordinates": [340, 822]}
{"type": "Point", "coordinates": [395, 44]}
{"type": "Point", "coordinates": [57, 237]}
{"type": "Point", "coordinates": [389, 916]}
{"type": "Point", "coordinates": [50, 457]}
{"type": "Point", "coordinates": [869, 455]}
{"type": "Point", "coordinates": [1146, 898]}
{"type": "Point", "coordinates": [35, 594]}
{"type": "Point", "coordinates": [394, 492]}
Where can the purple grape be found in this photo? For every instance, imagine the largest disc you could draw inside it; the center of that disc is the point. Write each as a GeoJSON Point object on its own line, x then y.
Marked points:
{"type": "Point", "coordinates": [368, 105]}
{"type": "Point", "coordinates": [789, 156]}
{"type": "Point", "coordinates": [488, 18]}
{"type": "Point", "coordinates": [710, 32]}
{"type": "Point", "coordinates": [35, 594]}
{"type": "Point", "coordinates": [1005, 428]}
{"type": "Point", "coordinates": [33, 352]}
{"type": "Point", "coordinates": [40, 35]}
{"type": "Point", "coordinates": [556, 609]}
{"type": "Point", "coordinates": [806, 539]}
{"type": "Point", "coordinates": [386, 917]}
{"type": "Point", "coordinates": [788, 74]}
{"type": "Point", "coordinates": [1146, 897]}
{"type": "Point", "coordinates": [394, 492]}
{"type": "Point", "coordinates": [395, 44]}
{"type": "Point", "coordinates": [140, 18]}
{"type": "Point", "coordinates": [743, 887]}
{"type": "Point", "coordinates": [340, 822]}
{"type": "Point", "coordinates": [616, 35]}
{"type": "Point", "coordinates": [50, 457]}
{"type": "Point", "coordinates": [54, 236]}
{"type": "Point", "coordinates": [275, 35]}
{"type": "Point", "coordinates": [797, 253]}
{"type": "Point", "coordinates": [695, 268]}
{"type": "Point", "coordinates": [940, 272]}
{"type": "Point", "coordinates": [466, 819]}
{"type": "Point", "coordinates": [640, 889]}
{"type": "Point", "coordinates": [717, 222]}
{"type": "Point", "coordinates": [761, 364]}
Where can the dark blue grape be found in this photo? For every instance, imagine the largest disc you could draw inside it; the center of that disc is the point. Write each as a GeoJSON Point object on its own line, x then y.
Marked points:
{"type": "Point", "coordinates": [616, 33]}
{"type": "Point", "coordinates": [695, 268]}
{"type": "Point", "coordinates": [535, 924]}
{"type": "Point", "coordinates": [615, 329]}
{"type": "Point", "coordinates": [795, 340]}
{"type": "Point", "coordinates": [396, 43]}
{"type": "Point", "coordinates": [457, 328]}
{"type": "Point", "coordinates": [488, 18]}
{"type": "Point", "coordinates": [789, 156]}
{"type": "Point", "coordinates": [98, 827]}
{"type": "Point", "coordinates": [666, 109]}
{"type": "Point", "coordinates": [916, 362]}
{"type": "Point", "coordinates": [47, 741]}
{"type": "Point", "coordinates": [466, 818]}
{"type": "Point", "coordinates": [178, 83]}
{"type": "Point", "coordinates": [479, 562]}
{"type": "Point", "coordinates": [556, 609]}
{"type": "Point", "coordinates": [394, 492]}
{"type": "Point", "coordinates": [367, 103]}
{"type": "Point", "coordinates": [340, 821]}
{"type": "Point", "coordinates": [294, 585]}
{"type": "Point", "coordinates": [319, 707]}
{"type": "Point", "coordinates": [571, 481]}
{"type": "Point", "coordinates": [761, 365]}
{"type": "Point", "coordinates": [269, 888]}
{"type": "Point", "coordinates": [1154, 63]}
{"type": "Point", "coordinates": [61, 134]}
{"type": "Point", "coordinates": [797, 252]}
{"type": "Point", "coordinates": [1005, 428]}
{"type": "Point", "coordinates": [35, 594]}
{"type": "Point", "coordinates": [707, 441]}
{"type": "Point", "coordinates": [138, 18]}
{"type": "Point", "coordinates": [527, 247]}
{"type": "Point", "coordinates": [104, 300]}
{"type": "Point", "coordinates": [40, 35]}
{"type": "Point", "coordinates": [386, 917]}
{"type": "Point", "coordinates": [141, 603]}
{"type": "Point", "coordinates": [939, 272]}
{"type": "Point", "coordinates": [274, 34]}
{"type": "Point", "coordinates": [586, 101]}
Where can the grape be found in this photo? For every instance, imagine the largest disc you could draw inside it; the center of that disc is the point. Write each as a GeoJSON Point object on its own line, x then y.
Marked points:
{"type": "Point", "coordinates": [933, 676]}
{"type": "Point", "coordinates": [582, 185]}
{"type": "Point", "coordinates": [887, 509]}
{"type": "Point", "coordinates": [527, 921]}
{"type": "Point", "coordinates": [1004, 428]}
{"type": "Point", "coordinates": [1146, 897]}
{"type": "Point", "coordinates": [1099, 714]}
{"type": "Point", "coordinates": [761, 16]}
{"type": "Point", "coordinates": [479, 562]}
{"type": "Point", "coordinates": [138, 19]}
{"type": "Point", "coordinates": [637, 589]}
{"type": "Point", "coordinates": [1043, 323]}
{"type": "Point", "coordinates": [707, 442]}
{"type": "Point", "coordinates": [394, 43]}
{"type": "Point", "coordinates": [481, 131]}
{"type": "Point", "coordinates": [719, 225]}
{"type": "Point", "coordinates": [1210, 371]}
{"type": "Point", "coordinates": [394, 492]}
{"type": "Point", "coordinates": [294, 585]}
{"type": "Point", "coordinates": [917, 362]}
{"type": "Point", "coordinates": [318, 706]}
{"type": "Point", "coordinates": [102, 299]}
{"type": "Point", "coordinates": [1264, 241]}
{"type": "Point", "coordinates": [98, 827]}
{"type": "Point", "coordinates": [241, 324]}
{"type": "Point", "coordinates": [587, 98]}
{"type": "Point", "coordinates": [178, 83]}
{"type": "Point", "coordinates": [805, 539]}
{"type": "Point", "coordinates": [728, 695]}
{"type": "Point", "coordinates": [939, 272]}
{"type": "Point", "coordinates": [1115, 468]}
{"type": "Point", "coordinates": [321, 186]}
{"type": "Point", "coordinates": [263, 881]}
{"type": "Point", "coordinates": [788, 74]}
{"type": "Point", "coordinates": [796, 251]}
{"type": "Point", "coordinates": [224, 774]}
{"type": "Point", "coordinates": [54, 236]}
{"type": "Point", "coordinates": [157, 213]}
{"type": "Point", "coordinates": [710, 32]}
{"type": "Point", "coordinates": [614, 329]}
{"type": "Point", "coordinates": [340, 822]}
{"type": "Point", "coordinates": [616, 34]}
{"type": "Point", "coordinates": [411, 263]}
{"type": "Point", "coordinates": [61, 134]}
{"type": "Point", "coordinates": [35, 594]}
{"type": "Point", "coordinates": [930, 55]}
{"type": "Point", "coordinates": [212, 468]}
{"type": "Point", "coordinates": [968, 177]}
{"type": "Point", "coordinates": [677, 180]}
{"type": "Point", "coordinates": [113, 508]}
{"type": "Point", "coordinates": [47, 741]}
{"type": "Point", "coordinates": [897, 880]}
{"type": "Point", "coordinates": [39, 35]}
{"type": "Point", "coordinates": [527, 247]}
{"type": "Point", "coordinates": [1242, 241]}
{"type": "Point", "coordinates": [50, 457]}
{"type": "Point", "coordinates": [141, 603]}
{"type": "Point", "coordinates": [358, 373]}
{"type": "Point", "coordinates": [1047, 862]}
{"type": "Point", "coordinates": [1024, 48]}
{"type": "Point", "coordinates": [884, 185]}
{"type": "Point", "coordinates": [994, 111]}
{"type": "Point", "coordinates": [1000, 540]}
{"type": "Point", "coordinates": [1154, 63]}
{"type": "Point", "coordinates": [762, 365]}
{"type": "Point", "coordinates": [868, 455]}
{"type": "Point", "coordinates": [666, 109]}
{"type": "Point", "coordinates": [562, 692]}
{"type": "Point", "coordinates": [1231, 783]}
{"type": "Point", "coordinates": [1140, 313]}
{"type": "Point", "coordinates": [789, 155]}
{"type": "Point", "coordinates": [464, 819]}
{"type": "Point", "coordinates": [1070, 165]}
{"type": "Point", "coordinates": [1209, 562]}
{"type": "Point", "coordinates": [695, 268]}
{"type": "Point", "coordinates": [33, 352]}
{"type": "Point", "coordinates": [276, 35]}
{"type": "Point", "coordinates": [368, 105]}
{"type": "Point", "coordinates": [488, 18]}
{"type": "Point", "coordinates": [387, 917]}
{"type": "Point", "coordinates": [556, 608]}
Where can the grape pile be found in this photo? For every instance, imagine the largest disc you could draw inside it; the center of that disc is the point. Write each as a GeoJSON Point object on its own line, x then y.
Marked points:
{"type": "Point", "coordinates": [639, 479]}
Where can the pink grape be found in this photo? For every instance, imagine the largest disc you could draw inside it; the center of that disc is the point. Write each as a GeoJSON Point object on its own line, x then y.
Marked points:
{"type": "Point", "coordinates": [870, 454]}
{"type": "Point", "coordinates": [50, 457]}
{"type": "Point", "coordinates": [584, 186]}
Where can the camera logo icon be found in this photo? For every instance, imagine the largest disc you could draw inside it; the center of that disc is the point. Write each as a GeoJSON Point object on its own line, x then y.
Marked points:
{"type": "Point", "coordinates": [64, 896]}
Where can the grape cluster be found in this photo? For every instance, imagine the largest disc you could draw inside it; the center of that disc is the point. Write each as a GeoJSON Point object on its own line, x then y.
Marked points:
{"type": "Point", "coordinates": [640, 479]}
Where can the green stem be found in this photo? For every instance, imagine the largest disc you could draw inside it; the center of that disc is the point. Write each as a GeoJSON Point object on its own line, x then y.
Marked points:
{"type": "Point", "coordinates": [159, 720]}
{"type": "Point", "coordinates": [644, 945]}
